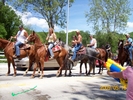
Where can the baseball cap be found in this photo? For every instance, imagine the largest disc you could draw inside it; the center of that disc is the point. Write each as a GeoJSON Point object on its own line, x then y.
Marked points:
{"type": "Point", "coordinates": [20, 26]}
{"type": "Point", "coordinates": [127, 34]}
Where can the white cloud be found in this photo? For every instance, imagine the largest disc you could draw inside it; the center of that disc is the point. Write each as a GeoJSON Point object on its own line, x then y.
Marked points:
{"type": "Point", "coordinates": [29, 19]}
{"type": "Point", "coordinates": [130, 24]}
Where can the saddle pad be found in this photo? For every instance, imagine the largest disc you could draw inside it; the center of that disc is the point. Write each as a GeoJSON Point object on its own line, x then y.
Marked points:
{"type": "Point", "coordinates": [56, 48]}
{"type": "Point", "coordinates": [82, 51]}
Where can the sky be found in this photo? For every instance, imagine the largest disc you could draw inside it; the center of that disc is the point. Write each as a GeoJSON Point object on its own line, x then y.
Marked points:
{"type": "Point", "coordinates": [77, 20]}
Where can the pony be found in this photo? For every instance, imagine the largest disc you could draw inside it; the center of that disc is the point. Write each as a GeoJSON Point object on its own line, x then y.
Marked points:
{"type": "Point", "coordinates": [102, 58]}
{"type": "Point", "coordinates": [123, 55]}
{"type": "Point", "coordinates": [103, 55]}
{"type": "Point", "coordinates": [85, 55]}
{"type": "Point", "coordinates": [8, 48]}
{"type": "Point", "coordinates": [42, 53]}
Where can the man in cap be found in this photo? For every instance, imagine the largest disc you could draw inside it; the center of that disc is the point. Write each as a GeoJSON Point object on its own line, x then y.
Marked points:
{"type": "Point", "coordinates": [129, 45]}
{"type": "Point", "coordinates": [20, 39]}
{"type": "Point", "coordinates": [93, 42]}
{"type": "Point", "coordinates": [78, 43]}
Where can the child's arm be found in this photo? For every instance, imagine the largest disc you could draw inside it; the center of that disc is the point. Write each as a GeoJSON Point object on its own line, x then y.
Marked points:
{"type": "Point", "coordinates": [115, 74]}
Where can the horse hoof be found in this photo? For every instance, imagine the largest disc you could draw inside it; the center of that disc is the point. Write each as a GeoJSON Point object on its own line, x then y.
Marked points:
{"type": "Point", "coordinates": [32, 77]}
{"type": "Point", "coordinates": [14, 75]}
{"type": "Point", "coordinates": [57, 75]}
{"type": "Point", "coordinates": [41, 77]}
{"type": "Point", "coordinates": [64, 75]}
{"type": "Point", "coordinates": [24, 74]}
{"type": "Point", "coordinates": [7, 74]}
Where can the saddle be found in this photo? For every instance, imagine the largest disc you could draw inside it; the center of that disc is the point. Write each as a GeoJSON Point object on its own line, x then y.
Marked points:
{"type": "Point", "coordinates": [82, 50]}
{"type": "Point", "coordinates": [56, 48]}
{"type": "Point", "coordinates": [22, 47]}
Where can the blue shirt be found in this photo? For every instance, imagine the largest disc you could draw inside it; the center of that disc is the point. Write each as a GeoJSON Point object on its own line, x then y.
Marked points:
{"type": "Point", "coordinates": [130, 40]}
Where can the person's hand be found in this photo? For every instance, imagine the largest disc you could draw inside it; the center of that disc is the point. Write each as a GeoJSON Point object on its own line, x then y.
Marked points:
{"type": "Point", "coordinates": [25, 41]}
{"type": "Point", "coordinates": [108, 72]}
{"type": "Point", "coordinates": [11, 37]}
{"type": "Point", "coordinates": [88, 45]}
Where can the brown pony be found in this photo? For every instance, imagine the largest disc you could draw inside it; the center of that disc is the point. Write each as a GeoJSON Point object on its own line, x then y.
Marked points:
{"type": "Point", "coordinates": [123, 55]}
{"type": "Point", "coordinates": [8, 46]}
{"type": "Point", "coordinates": [42, 53]}
{"type": "Point", "coordinates": [101, 57]}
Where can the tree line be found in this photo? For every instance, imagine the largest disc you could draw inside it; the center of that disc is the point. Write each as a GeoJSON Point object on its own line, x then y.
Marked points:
{"type": "Point", "coordinates": [108, 18]}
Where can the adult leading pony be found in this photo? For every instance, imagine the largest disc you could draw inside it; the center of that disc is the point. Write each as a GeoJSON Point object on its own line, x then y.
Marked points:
{"type": "Point", "coordinates": [41, 52]}
{"type": "Point", "coordinates": [123, 55]}
{"type": "Point", "coordinates": [7, 47]}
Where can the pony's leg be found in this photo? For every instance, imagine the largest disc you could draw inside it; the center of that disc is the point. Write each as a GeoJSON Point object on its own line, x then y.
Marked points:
{"type": "Point", "coordinates": [93, 65]}
{"type": "Point", "coordinates": [85, 68]}
{"type": "Point", "coordinates": [70, 72]}
{"type": "Point", "coordinates": [61, 63]}
{"type": "Point", "coordinates": [30, 65]}
{"type": "Point", "coordinates": [42, 68]}
{"type": "Point", "coordinates": [34, 70]}
{"type": "Point", "coordinates": [90, 64]}
{"type": "Point", "coordinates": [8, 68]}
{"type": "Point", "coordinates": [13, 64]}
{"type": "Point", "coordinates": [100, 65]}
{"type": "Point", "coordinates": [81, 63]}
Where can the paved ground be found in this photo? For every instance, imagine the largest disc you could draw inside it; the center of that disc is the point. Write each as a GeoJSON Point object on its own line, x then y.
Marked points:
{"type": "Point", "coordinates": [76, 87]}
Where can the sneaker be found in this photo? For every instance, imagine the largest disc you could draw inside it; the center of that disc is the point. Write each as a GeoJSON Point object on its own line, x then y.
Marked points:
{"type": "Point", "coordinates": [14, 56]}
{"type": "Point", "coordinates": [71, 53]}
{"type": "Point", "coordinates": [51, 58]}
{"type": "Point", "coordinates": [70, 60]}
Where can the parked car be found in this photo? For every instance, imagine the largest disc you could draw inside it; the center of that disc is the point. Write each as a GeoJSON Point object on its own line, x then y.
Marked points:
{"type": "Point", "coordinates": [24, 63]}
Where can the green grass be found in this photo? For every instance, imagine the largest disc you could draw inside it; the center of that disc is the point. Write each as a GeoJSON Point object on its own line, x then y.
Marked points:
{"type": "Point", "coordinates": [3, 61]}
{"type": "Point", "coordinates": [2, 57]}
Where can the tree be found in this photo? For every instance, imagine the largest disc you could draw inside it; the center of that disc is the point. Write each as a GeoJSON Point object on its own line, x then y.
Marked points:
{"type": "Point", "coordinates": [8, 21]}
{"type": "Point", "coordinates": [108, 15]}
{"type": "Point", "coordinates": [51, 10]}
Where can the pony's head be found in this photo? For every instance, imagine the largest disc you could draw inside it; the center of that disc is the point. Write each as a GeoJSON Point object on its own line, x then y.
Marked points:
{"type": "Point", "coordinates": [31, 37]}
{"type": "Point", "coordinates": [120, 44]}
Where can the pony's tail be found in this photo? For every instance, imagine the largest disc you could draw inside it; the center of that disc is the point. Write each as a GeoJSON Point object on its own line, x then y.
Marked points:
{"type": "Point", "coordinates": [65, 60]}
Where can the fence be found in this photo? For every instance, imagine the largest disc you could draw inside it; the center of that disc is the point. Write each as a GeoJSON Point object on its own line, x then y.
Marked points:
{"type": "Point", "coordinates": [2, 57]}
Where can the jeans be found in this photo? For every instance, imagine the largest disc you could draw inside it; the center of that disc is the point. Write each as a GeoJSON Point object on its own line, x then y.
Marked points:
{"type": "Point", "coordinates": [77, 47]}
{"type": "Point", "coordinates": [130, 52]}
{"type": "Point", "coordinates": [50, 46]}
{"type": "Point", "coordinates": [17, 50]}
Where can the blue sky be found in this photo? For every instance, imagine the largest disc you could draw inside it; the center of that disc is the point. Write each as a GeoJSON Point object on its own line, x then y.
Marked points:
{"type": "Point", "coordinates": [77, 20]}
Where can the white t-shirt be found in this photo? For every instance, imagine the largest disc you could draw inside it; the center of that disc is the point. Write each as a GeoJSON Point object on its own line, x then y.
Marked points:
{"type": "Point", "coordinates": [92, 41]}
{"type": "Point", "coordinates": [20, 36]}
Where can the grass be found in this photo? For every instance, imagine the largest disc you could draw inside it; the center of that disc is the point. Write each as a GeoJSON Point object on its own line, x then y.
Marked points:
{"type": "Point", "coordinates": [3, 61]}
{"type": "Point", "coordinates": [2, 57]}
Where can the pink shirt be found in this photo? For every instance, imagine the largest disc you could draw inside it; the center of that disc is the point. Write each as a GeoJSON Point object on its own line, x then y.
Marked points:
{"type": "Point", "coordinates": [128, 74]}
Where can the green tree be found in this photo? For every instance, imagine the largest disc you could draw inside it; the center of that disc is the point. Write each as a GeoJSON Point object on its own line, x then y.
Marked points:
{"type": "Point", "coordinates": [108, 15]}
{"type": "Point", "coordinates": [8, 20]}
{"type": "Point", "coordinates": [51, 10]}
{"type": "Point", "coordinates": [3, 32]}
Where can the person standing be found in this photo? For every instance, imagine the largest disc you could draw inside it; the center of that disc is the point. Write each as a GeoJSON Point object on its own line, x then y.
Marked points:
{"type": "Point", "coordinates": [51, 38]}
{"type": "Point", "coordinates": [129, 46]}
{"type": "Point", "coordinates": [126, 74]}
{"type": "Point", "coordinates": [78, 43]}
{"type": "Point", "coordinates": [93, 42]}
{"type": "Point", "coordinates": [20, 39]}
